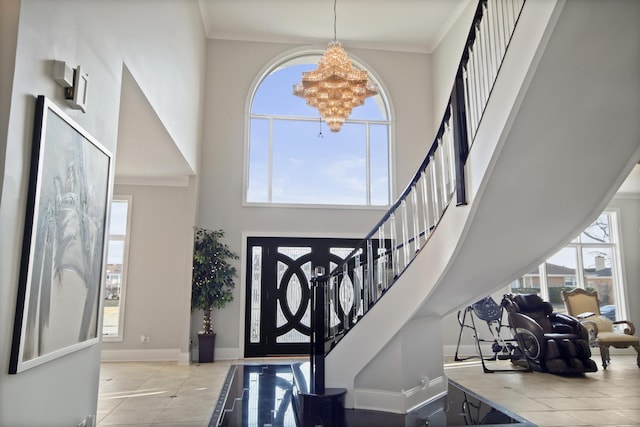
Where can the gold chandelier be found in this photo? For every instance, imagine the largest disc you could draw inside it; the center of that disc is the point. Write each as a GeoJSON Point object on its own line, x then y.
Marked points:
{"type": "Point", "coordinates": [335, 87]}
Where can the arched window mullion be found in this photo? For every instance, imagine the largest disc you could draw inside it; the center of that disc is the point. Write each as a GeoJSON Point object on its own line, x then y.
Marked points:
{"type": "Point", "coordinates": [270, 165]}
{"type": "Point", "coordinates": [368, 154]}
{"type": "Point", "coordinates": [291, 163]}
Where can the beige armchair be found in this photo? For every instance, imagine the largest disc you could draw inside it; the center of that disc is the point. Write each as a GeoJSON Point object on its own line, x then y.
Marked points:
{"type": "Point", "coordinates": [584, 305]}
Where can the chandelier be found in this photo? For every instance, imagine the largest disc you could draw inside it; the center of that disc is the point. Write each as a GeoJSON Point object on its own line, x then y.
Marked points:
{"type": "Point", "coordinates": [335, 87]}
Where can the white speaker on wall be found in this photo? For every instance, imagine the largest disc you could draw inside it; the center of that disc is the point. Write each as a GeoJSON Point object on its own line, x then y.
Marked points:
{"type": "Point", "coordinates": [75, 83]}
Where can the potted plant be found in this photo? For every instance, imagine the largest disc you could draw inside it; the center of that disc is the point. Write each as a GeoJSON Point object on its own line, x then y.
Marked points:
{"type": "Point", "coordinates": [212, 283]}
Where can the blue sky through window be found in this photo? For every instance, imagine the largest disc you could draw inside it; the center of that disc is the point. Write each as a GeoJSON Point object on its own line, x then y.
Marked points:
{"type": "Point", "coordinates": [117, 227]}
{"type": "Point", "coordinates": [275, 96]}
{"type": "Point", "coordinates": [295, 158]}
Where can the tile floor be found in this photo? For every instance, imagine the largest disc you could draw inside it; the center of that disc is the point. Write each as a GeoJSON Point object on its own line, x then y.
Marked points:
{"type": "Point", "coordinates": [603, 398]}
{"type": "Point", "coordinates": [163, 394]}
{"type": "Point", "coordinates": [144, 394]}
{"type": "Point", "coordinates": [158, 393]}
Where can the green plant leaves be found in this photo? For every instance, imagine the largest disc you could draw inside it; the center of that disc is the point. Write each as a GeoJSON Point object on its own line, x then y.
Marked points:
{"type": "Point", "coordinates": [213, 275]}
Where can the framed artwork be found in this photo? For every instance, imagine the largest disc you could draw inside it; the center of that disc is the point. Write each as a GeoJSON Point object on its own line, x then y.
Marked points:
{"type": "Point", "coordinates": [64, 245]}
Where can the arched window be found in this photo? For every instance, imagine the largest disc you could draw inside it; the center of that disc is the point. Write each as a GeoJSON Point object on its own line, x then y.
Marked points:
{"type": "Point", "coordinates": [293, 157]}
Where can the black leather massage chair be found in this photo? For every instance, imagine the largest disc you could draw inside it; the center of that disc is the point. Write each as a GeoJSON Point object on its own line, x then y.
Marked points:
{"type": "Point", "coordinates": [551, 342]}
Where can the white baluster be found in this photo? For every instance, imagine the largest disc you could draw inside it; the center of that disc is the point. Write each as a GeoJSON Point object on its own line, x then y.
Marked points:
{"type": "Point", "coordinates": [416, 227]}
{"type": "Point", "coordinates": [394, 246]}
{"type": "Point", "coordinates": [405, 233]}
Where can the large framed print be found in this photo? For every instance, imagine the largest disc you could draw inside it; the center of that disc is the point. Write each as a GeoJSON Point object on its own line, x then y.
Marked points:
{"type": "Point", "coordinates": [63, 250]}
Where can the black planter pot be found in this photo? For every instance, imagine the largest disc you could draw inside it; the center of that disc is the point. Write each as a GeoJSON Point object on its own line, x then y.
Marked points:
{"type": "Point", "coordinates": [206, 345]}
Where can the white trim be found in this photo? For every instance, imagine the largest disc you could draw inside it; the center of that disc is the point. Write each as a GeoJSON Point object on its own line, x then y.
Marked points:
{"type": "Point", "coordinates": [544, 286]}
{"type": "Point", "coordinates": [165, 181]}
{"type": "Point", "coordinates": [228, 353]}
{"type": "Point", "coordinates": [634, 196]}
{"type": "Point", "coordinates": [619, 277]}
{"type": "Point", "coordinates": [403, 401]}
{"type": "Point", "coordinates": [423, 402]}
{"type": "Point", "coordinates": [465, 350]}
{"type": "Point", "coordinates": [379, 400]}
{"type": "Point", "coordinates": [381, 208]}
{"type": "Point", "coordinates": [297, 55]}
{"type": "Point", "coordinates": [184, 358]}
{"type": "Point", "coordinates": [147, 355]}
{"type": "Point", "coordinates": [125, 262]}
{"type": "Point", "coordinates": [242, 312]}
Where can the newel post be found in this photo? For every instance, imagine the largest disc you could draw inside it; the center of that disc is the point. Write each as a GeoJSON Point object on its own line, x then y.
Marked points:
{"type": "Point", "coordinates": [316, 351]}
{"type": "Point", "coordinates": [460, 138]}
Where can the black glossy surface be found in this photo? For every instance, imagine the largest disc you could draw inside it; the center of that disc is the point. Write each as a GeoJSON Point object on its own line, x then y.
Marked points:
{"type": "Point", "coordinates": [263, 395]}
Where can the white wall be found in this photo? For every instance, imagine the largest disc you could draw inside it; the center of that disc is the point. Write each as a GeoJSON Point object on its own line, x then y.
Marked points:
{"type": "Point", "coordinates": [100, 37]}
{"type": "Point", "coordinates": [9, 11]}
{"type": "Point", "coordinates": [628, 208]}
{"type": "Point", "coordinates": [446, 58]}
{"type": "Point", "coordinates": [156, 304]}
{"type": "Point", "coordinates": [406, 373]}
{"type": "Point", "coordinates": [231, 68]}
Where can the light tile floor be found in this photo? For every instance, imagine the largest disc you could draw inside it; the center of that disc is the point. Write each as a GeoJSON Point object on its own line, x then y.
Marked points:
{"type": "Point", "coordinates": [165, 394]}
{"type": "Point", "coordinates": [158, 393]}
{"type": "Point", "coordinates": [144, 394]}
{"type": "Point", "coordinates": [608, 397]}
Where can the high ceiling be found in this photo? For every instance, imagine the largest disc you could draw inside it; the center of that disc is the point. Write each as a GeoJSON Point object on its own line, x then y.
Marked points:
{"type": "Point", "coordinates": [400, 25]}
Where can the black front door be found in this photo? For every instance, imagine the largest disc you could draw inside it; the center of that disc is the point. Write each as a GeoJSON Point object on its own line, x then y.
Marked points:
{"type": "Point", "coordinates": [278, 312]}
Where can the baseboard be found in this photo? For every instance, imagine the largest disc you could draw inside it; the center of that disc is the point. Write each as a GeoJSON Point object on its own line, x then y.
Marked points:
{"type": "Point", "coordinates": [400, 402]}
{"type": "Point", "coordinates": [224, 353]}
{"type": "Point", "coordinates": [466, 350]}
{"type": "Point", "coordinates": [228, 353]}
{"type": "Point", "coordinates": [425, 394]}
{"type": "Point", "coordinates": [150, 355]}
{"type": "Point", "coordinates": [164, 355]}
{"type": "Point", "coordinates": [380, 400]}
{"type": "Point", "coordinates": [184, 358]}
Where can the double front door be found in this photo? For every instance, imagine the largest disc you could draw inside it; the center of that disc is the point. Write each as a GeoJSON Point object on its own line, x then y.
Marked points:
{"type": "Point", "coordinates": [278, 312]}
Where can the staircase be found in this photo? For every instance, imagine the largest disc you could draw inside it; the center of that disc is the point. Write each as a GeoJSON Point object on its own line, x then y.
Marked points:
{"type": "Point", "coordinates": [559, 133]}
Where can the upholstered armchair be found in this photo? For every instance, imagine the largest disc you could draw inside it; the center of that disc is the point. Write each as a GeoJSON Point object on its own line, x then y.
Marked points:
{"type": "Point", "coordinates": [584, 305]}
{"type": "Point", "coordinates": [551, 342]}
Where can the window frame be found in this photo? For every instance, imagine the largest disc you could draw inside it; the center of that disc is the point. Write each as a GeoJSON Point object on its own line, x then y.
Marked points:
{"type": "Point", "coordinates": [304, 56]}
{"type": "Point", "coordinates": [617, 272]}
{"type": "Point", "coordinates": [119, 337]}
